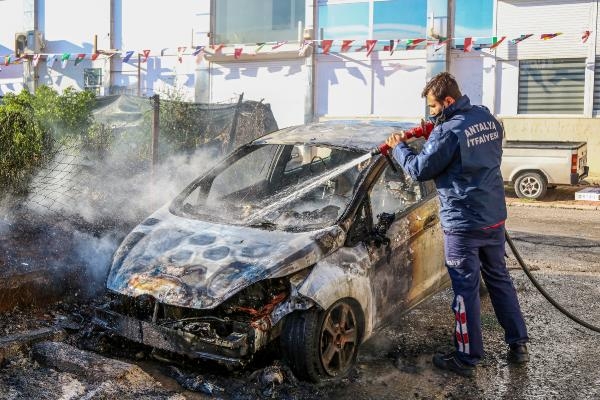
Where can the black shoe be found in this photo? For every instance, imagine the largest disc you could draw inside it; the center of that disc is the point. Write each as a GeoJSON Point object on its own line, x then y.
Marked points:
{"type": "Point", "coordinates": [518, 354]}
{"type": "Point", "coordinates": [451, 362]}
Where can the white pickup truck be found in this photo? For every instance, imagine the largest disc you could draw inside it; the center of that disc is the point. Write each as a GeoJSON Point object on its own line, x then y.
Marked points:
{"type": "Point", "coordinates": [534, 166]}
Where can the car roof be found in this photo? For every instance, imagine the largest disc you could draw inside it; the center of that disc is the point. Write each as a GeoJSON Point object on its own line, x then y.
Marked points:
{"type": "Point", "coordinates": [357, 135]}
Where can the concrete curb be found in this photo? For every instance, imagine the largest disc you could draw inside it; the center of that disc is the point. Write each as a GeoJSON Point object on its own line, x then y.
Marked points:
{"type": "Point", "coordinates": [555, 205]}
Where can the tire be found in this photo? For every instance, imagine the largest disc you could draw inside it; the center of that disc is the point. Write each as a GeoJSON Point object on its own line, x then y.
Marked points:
{"type": "Point", "coordinates": [319, 345]}
{"type": "Point", "coordinates": [531, 185]}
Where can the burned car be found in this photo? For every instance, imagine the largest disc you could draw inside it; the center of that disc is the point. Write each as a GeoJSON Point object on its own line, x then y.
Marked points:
{"type": "Point", "coordinates": [299, 237]}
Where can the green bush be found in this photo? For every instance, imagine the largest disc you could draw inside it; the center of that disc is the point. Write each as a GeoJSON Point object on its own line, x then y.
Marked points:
{"type": "Point", "coordinates": [30, 124]}
{"type": "Point", "coordinates": [21, 143]}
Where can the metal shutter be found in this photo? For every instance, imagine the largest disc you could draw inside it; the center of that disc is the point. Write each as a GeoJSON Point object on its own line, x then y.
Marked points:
{"type": "Point", "coordinates": [597, 86]}
{"type": "Point", "coordinates": [551, 86]}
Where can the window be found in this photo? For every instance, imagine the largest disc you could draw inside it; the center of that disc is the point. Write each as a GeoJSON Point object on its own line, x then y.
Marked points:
{"type": "Point", "coordinates": [399, 19]}
{"type": "Point", "coordinates": [394, 192]}
{"type": "Point", "coordinates": [257, 21]}
{"type": "Point", "coordinates": [551, 86]}
{"type": "Point", "coordinates": [92, 79]}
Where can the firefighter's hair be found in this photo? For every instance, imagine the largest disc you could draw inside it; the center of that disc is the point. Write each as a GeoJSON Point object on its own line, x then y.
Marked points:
{"type": "Point", "coordinates": [441, 86]}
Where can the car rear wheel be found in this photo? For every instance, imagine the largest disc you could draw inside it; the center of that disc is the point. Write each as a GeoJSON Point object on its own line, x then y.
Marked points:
{"type": "Point", "coordinates": [531, 185]}
{"type": "Point", "coordinates": [318, 344]}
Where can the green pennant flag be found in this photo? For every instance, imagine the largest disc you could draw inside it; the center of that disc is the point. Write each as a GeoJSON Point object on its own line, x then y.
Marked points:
{"type": "Point", "coordinates": [259, 46]}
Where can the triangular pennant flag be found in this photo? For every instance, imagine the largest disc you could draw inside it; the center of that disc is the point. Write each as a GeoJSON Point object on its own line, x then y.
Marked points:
{"type": "Point", "coordinates": [180, 51]}
{"type": "Point", "coordinates": [198, 50]}
{"type": "Point", "coordinates": [304, 46]}
{"type": "Point", "coordinates": [392, 46]}
{"type": "Point", "coordinates": [259, 47]}
{"type": "Point", "coordinates": [441, 43]}
{"type": "Point", "coordinates": [521, 38]}
{"type": "Point", "coordinates": [6, 60]}
{"type": "Point", "coordinates": [326, 45]}
{"type": "Point", "coordinates": [237, 52]}
{"type": "Point", "coordinates": [496, 42]}
{"type": "Point", "coordinates": [217, 48]}
{"type": "Point", "coordinates": [127, 56]}
{"type": "Point", "coordinates": [412, 43]}
{"type": "Point", "coordinates": [585, 36]}
{"type": "Point", "coordinates": [278, 44]}
{"type": "Point", "coordinates": [548, 36]}
{"type": "Point", "coordinates": [80, 57]}
{"type": "Point", "coordinates": [95, 56]}
{"type": "Point", "coordinates": [346, 44]}
{"type": "Point", "coordinates": [35, 60]}
{"type": "Point", "coordinates": [65, 59]}
{"type": "Point", "coordinates": [145, 54]}
{"type": "Point", "coordinates": [51, 60]}
{"type": "Point", "coordinates": [371, 43]}
{"type": "Point", "coordinates": [468, 44]}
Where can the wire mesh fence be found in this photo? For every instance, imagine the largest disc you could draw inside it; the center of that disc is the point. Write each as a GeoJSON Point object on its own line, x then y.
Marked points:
{"type": "Point", "coordinates": [117, 173]}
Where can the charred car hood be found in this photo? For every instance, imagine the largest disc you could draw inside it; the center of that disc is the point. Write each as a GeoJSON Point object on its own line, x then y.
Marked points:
{"type": "Point", "coordinates": [199, 264]}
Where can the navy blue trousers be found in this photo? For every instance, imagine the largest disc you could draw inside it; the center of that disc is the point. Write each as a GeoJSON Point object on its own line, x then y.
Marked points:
{"type": "Point", "coordinates": [468, 253]}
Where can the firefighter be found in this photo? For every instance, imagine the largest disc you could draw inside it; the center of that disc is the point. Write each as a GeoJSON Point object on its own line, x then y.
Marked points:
{"type": "Point", "coordinates": [462, 155]}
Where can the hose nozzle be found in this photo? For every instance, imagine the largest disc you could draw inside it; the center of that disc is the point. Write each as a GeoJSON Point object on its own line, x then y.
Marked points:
{"type": "Point", "coordinates": [381, 149]}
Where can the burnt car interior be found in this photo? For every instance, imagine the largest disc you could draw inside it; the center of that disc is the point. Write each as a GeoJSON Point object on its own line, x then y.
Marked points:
{"type": "Point", "coordinates": [301, 187]}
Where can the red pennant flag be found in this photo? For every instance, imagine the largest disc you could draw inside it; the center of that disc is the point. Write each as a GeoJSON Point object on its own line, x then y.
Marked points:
{"type": "Point", "coordinates": [237, 52]}
{"type": "Point", "coordinates": [180, 51]}
{"type": "Point", "coordinates": [79, 58]}
{"type": "Point", "coordinates": [145, 54]}
{"type": "Point", "coordinates": [585, 36]}
{"type": "Point", "coordinates": [468, 44]}
{"type": "Point", "coordinates": [326, 45]}
{"type": "Point", "coordinates": [95, 56]}
{"type": "Point", "coordinates": [547, 36]}
{"type": "Point", "coordinates": [370, 46]}
{"type": "Point", "coordinates": [6, 60]}
{"type": "Point", "coordinates": [218, 48]}
{"type": "Point", "coordinates": [412, 43]}
{"type": "Point", "coordinates": [36, 59]}
{"type": "Point", "coordinates": [346, 44]}
{"type": "Point", "coordinates": [278, 44]}
{"type": "Point", "coordinates": [496, 42]}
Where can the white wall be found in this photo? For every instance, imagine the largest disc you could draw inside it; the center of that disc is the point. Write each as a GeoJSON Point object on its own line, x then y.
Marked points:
{"type": "Point", "coordinates": [282, 84]}
{"type": "Point", "coordinates": [11, 77]}
{"type": "Point", "coordinates": [354, 85]}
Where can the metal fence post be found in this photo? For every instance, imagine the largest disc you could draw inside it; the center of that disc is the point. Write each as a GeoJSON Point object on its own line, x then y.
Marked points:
{"type": "Point", "coordinates": [155, 129]}
{"type": "Point", "coordinates": [234, 123]}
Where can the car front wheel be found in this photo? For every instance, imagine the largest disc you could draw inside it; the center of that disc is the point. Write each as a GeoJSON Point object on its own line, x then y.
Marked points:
{"type": "Point", "coordinates": [531, 185]}
{"type": "Point", "coordinates": [321, 344]}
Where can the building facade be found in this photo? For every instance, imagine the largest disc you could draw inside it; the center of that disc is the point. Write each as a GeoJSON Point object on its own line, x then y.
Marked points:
{"type": "Point", "coordinates": [541, 89]}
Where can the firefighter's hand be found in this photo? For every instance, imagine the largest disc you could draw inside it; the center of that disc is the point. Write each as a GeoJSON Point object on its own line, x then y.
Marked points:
{"type": "Point", "coordinates": [395, 138]}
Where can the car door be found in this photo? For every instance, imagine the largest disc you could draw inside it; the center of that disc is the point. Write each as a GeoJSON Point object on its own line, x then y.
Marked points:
{"type": "Point", "coordinates": [411, 265]}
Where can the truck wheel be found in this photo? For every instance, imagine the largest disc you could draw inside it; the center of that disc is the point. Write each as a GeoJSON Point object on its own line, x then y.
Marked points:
{"type": "Point", "coordinates": [320, 344]}
{"type": "Point", "coordinates": [531, 185]}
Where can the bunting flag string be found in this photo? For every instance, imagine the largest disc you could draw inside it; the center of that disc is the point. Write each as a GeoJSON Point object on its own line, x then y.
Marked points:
{"type": "Point", "coordinates": [326, 46]}
{"type": "Point", "coordinates": [585, 36]}
{"type": "Point", "coordinates": [80, 57]}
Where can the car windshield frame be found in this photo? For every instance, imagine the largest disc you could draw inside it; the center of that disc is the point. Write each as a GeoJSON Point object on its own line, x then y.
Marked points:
{"type": "Point", "coordinates": [293, 193]}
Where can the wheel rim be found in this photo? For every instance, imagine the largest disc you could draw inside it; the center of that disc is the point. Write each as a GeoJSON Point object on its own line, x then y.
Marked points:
{"type": "Point", "coordinates": [530, 186]}
{"type": "Point", "coordinates": [338, 339]}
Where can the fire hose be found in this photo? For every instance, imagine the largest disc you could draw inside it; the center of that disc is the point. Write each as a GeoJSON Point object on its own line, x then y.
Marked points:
{"type": "Point", "coordinates": [423, 131]}
{"type": "Point", "coordinates": [542, 291]}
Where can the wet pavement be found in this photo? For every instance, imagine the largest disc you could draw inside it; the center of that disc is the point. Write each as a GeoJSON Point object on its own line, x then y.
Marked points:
{"type": "Point", "coordinates": [562, 246]}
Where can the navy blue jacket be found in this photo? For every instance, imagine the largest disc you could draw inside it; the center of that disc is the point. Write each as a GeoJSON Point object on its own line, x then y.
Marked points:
{"type": "Point", "coordinates": [462, 155]}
